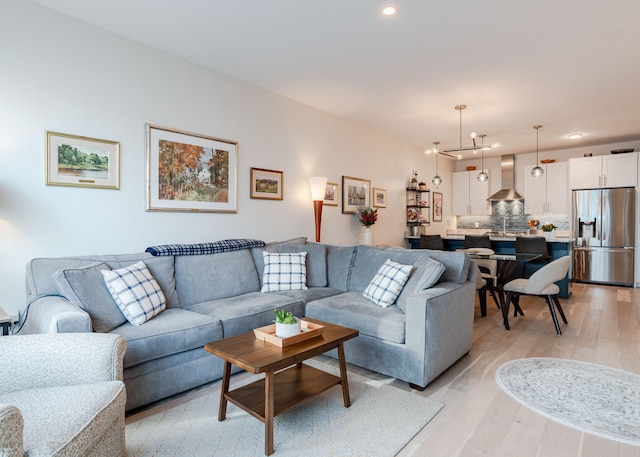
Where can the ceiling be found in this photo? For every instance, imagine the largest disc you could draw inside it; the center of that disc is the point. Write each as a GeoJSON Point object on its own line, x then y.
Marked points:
{"type": "Point", "coordinates": [571, 66]}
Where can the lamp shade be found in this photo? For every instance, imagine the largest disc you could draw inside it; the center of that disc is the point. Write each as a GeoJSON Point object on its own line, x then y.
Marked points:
{"type": "Point", "coordinates": [318, 185]}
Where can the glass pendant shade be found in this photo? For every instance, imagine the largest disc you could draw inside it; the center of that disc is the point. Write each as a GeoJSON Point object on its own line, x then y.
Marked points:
{"type": "Point", "coordinates": [483, 176]}
{"type": "Point", "coordinates": [537, 171]}
{"type": "Point", "coordinates": [437, 180]}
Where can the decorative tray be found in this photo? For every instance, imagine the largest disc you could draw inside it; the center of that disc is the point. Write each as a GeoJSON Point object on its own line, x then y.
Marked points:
{"type": "Point", "coordinates": [268, 333]}
{"type": "Point", "coordinates": [547, 160]}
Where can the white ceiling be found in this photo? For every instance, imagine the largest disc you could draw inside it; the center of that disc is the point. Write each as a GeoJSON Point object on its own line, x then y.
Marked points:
{"type": "Point", "coordinates": [570, 65]}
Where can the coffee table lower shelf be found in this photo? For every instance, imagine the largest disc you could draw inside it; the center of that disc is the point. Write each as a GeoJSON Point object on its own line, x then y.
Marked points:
{"type": "Point", "coordinates": [293, 385]}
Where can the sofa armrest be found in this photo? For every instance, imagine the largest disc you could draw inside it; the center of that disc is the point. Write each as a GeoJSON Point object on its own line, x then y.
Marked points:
{"type": "Point", "coordinates": [54, 314]}
{"type": "Point", "coordinates": [11, 426]}
{"type": "Point", "coordinates": [60, 359]}
{"type": "Point", "coordinates": [439, 325]}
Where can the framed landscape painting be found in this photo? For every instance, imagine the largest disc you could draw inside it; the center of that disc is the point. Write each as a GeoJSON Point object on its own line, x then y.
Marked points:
{"type": "Point", "coordinates": [355, 193]}
{"type": "Point", "coordinates": [74, 160]}
{"type": "Point", "coordinates": [379, 198]}
{"type": "Point", "coordinates": [331, 194]}
{"type": "Point", "coordinates": [266, 184]}
{"type": "Point", "coordinates": [190, 172]}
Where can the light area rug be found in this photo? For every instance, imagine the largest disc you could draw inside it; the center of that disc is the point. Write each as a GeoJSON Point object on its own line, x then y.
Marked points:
{"type": "Point", "coordinates": [593, 398]}
{"type": "Point", "coordinates": [381, 420]}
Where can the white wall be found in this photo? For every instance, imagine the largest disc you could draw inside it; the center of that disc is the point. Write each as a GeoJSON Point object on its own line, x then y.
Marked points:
{"type": "Point", "coordinates": [59, 74]}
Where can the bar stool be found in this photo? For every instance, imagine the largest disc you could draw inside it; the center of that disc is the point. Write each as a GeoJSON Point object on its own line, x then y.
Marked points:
{"type": "Point", "coordinates": [488, 267]}
{"type": "Point", "coordinates": [431, 242]}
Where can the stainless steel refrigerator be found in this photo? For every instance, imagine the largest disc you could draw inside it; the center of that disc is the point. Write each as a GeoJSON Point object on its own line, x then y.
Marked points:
{"type": "Point", "coordinates": [604, 235]}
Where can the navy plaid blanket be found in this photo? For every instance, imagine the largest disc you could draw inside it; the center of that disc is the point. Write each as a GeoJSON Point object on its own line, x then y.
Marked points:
{"type": "Point", "coordinates": [204, 248]}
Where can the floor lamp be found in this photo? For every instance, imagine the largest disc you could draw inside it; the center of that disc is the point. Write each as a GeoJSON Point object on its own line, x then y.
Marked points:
{"type": "Point", "coordinates": [318, 185]}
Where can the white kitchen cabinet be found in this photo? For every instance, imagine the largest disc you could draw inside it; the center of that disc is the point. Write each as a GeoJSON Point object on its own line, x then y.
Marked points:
{"type": "Point", "coordinates": [469, 194]}
{"type": "Point", "coordinates": [618, 170]}
{"type": "Point", "coordinates": [550, 192]}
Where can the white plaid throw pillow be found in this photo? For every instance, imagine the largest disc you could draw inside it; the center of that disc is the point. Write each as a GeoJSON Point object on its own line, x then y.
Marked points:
{"type": "Point", "coordinates": [387, 284]}
{"type": "Point", "coordinates": [284, 271]}
{"type": "Point", "coordinates": [136, 292]}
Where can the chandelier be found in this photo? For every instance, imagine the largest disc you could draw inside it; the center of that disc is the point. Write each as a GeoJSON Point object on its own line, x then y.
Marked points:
{"type": "Point", "coordinates": [475, 148]}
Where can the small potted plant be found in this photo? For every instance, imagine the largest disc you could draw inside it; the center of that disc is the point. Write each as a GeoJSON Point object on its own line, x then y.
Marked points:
{"type": "Point", "coordinates": [286, 324]}
{"type": "Point", "coordinates": [548, 231]}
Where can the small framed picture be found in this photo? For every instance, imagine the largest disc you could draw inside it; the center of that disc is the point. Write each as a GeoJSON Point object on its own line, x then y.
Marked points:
{"type": "Point", "coordinates": [379, 197]}
{"type": "Point", "coordinates": [267, 184]}
{"type": "Point", "coordinates": [190, 172]}
{"type": "Point", "coordinates": [331, 194]}
{"type": "Point", "coordinates": [437, 207]}
{"type": "Point", "coordinates": [74, 160]}
{"type": "Point", "coordinates": [355, 193]}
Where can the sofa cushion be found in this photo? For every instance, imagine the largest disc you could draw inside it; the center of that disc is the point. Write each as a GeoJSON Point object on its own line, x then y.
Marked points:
{"type": "Point", "coordinates": [310, 294]}
{"type": "Point", "coordinates": [351, 309]}
{"type": "Point", "coordinates": [136, 292]}
{"type": "Point", "coordinates": [387, 284]}
{"type": "Point", "coordinates": [284, 271]}
{"type": "Point", "coordinates": [316, 261]}
{"type": "Point", "coordinates": [248, 311]}
{"type": "Point", "coordinates": [339, 262]}
{"type": "Point", "coordinates": [85, 288]}
{"type": "Point", "coordinates": [39, 277]}
{"type": "Point", "coordinates": [425, 273]}
{"type": "Point", "coordinates": [170, 332]}
{"type": "Point", "coordinates": [208, 277]}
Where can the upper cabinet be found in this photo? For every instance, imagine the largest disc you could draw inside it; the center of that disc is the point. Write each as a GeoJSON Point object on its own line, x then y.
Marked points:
{"type": "Point", "coordinates": [550, 192]}
{"type": "Point", "coordinates": [469, 194]}
{"type": "Point", "coordinates": [618, 170]}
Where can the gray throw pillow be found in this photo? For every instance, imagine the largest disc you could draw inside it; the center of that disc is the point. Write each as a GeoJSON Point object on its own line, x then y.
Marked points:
{"type": "Point", "coordinates": [316, 261]}
{"type": "Point", "coordinates": [85, 288]}
{"type": "Point", "coordinates": [425, 274]}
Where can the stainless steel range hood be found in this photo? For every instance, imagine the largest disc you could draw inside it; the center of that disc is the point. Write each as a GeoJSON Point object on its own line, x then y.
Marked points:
{"type": "Point", "coordinates": [508, 191]}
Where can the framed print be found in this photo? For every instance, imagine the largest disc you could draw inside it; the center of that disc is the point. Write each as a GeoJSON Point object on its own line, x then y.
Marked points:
{"type": "Point", "coordinates": [355, 192]}
{"type": "Point", "coordinates": [379, 198]}
{"type": "Point", "coordinates": [437, 207]}
{"type": "Point", "coordinates": [266, 184]}
{"type": "Point", "coordinates": [331, 194]}
{"type": "Point", "coordinates": [190, 172]}
{"type": "Point", "coordinates": [74, 160]}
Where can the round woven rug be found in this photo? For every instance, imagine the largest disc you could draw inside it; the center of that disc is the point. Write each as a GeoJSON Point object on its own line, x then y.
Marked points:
{"type": "Point", "coordinates": [593, 398]}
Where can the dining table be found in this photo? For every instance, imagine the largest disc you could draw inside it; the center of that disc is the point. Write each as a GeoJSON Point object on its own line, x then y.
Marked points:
{"type": "Point", "coordinates": [506, 271]}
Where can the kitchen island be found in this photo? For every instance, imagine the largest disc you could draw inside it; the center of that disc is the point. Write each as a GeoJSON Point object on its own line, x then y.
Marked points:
{"type": "Point", "coordinates": [507, 245]}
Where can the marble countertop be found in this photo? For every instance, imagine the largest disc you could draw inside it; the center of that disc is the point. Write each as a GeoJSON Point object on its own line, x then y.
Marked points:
{"type": "Point", "coordinates": [559, 239]}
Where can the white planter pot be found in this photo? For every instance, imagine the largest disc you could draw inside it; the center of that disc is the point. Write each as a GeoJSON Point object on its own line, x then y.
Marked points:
{"type": "Point", "coordinates": [549, 235]}
{"type": "Point", "coordinates": [287, 330]}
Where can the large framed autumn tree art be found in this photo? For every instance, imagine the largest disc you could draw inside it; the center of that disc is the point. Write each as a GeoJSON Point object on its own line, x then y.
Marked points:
{"type": "Point", "coordinates": [190, 172]}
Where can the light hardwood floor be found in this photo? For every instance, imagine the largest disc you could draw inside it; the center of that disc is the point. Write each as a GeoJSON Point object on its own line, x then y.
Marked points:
{"type": "Point", "coordinates": [479, 419]}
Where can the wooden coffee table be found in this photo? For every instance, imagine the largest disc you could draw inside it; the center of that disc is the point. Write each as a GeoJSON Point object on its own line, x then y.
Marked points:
{"type": "Point", "coordinates": [277, 392]}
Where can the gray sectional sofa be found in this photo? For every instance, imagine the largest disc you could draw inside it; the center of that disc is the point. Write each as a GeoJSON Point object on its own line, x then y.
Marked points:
{"type": "Point", "coordinates": [218, 295]}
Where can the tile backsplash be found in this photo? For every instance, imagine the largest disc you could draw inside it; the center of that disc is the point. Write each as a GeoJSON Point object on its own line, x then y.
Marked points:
{"type": "Point", "coordinates": [516, 219]}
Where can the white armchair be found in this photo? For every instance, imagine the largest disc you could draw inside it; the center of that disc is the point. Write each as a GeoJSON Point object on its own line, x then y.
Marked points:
{"type": "Point", "coordinates": [62, 395]}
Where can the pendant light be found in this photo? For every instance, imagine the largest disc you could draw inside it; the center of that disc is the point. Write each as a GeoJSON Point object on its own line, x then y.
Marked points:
{"type": "Point", "coordinates": [537, 171]}
{"type": "Point", "coordinates": [482, 176]}
{"type": "Point", "coordinates": [461, 148]}
{"type": "Point", "coordinates": [437, 180]}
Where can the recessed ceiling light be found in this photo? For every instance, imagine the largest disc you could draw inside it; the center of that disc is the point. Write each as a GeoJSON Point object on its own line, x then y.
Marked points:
{"type": "Point", "coordinates": [575, 136]}
{"type": "Point", "coordinates": [389, 10]}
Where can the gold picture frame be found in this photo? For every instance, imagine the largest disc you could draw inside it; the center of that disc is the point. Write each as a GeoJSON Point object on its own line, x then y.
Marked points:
{"type": "Point", "coordinates": [190, 172]}
{"type": "Point", "coordinates": [356, 192]}
{"type": "Point", "coordinates": [266, 184]}
{"type": "Point", "coordinates": [81, 161]}
{"type": "Point", "coordinates": [379, 197]}
{"type": "Point", "coordinates": [331, 194]}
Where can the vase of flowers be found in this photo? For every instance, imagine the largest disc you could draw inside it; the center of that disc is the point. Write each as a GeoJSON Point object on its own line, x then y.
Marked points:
{"type": "Point", "coordinates": [367, 216]}
{"type": "Point", "coordinates": [549, 231]}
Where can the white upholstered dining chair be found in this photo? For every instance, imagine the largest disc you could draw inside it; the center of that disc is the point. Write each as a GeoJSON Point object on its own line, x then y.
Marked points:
{"type": "Point", "coordinates": [541, 283]}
